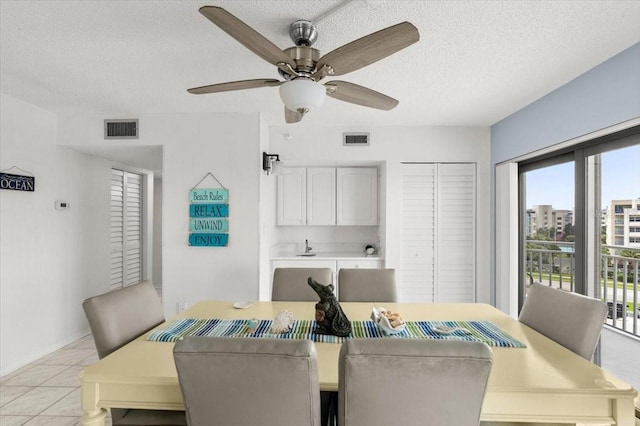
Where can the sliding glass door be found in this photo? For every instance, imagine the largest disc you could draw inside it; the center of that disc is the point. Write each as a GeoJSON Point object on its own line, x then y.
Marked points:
{"type": "Point", "coordinates": [579, 223]}
{"type": "Point", "coordinates": [620, 236]}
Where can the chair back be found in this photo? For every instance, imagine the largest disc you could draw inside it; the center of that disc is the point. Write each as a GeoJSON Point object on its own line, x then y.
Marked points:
{"type": "Point", "coordinates": [290, 284]}
{"type": "Point", "coordinates": [367, 285]}
{"type": "Point", "coordinates": [239, 381]}
{"type": "Point", "coordinates": [415, 382]}
{"type": "Point", "coordinates": [570, 319]}
{"type": "Point", "coordinates": [118, 317]}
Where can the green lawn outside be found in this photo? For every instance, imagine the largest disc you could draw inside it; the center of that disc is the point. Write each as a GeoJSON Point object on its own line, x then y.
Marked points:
{"type": "Point", "coordinates": [566, 280]}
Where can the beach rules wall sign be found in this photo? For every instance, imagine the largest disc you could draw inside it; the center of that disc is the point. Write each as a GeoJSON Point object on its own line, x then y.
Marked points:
{"type": "Point", "coordinates": [208, 216]}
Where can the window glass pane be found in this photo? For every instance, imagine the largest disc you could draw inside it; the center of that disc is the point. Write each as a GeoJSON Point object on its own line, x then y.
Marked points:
{"type": "Point", "coordinates": [620, 201]}
{"type": "Point", "coordinates": [549, 226]}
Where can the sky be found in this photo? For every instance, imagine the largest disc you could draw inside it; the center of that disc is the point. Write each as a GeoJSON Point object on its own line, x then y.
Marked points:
{"type": "Point", "coordinates": [554, 185]}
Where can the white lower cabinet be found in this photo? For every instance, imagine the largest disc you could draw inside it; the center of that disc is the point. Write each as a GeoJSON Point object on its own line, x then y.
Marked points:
{"type": "Point", "coordinates": [305, 263]}
{"type": "Point", "coordinates": [333, 264]}
{"type": "Point", "coordinates": [353, 264]}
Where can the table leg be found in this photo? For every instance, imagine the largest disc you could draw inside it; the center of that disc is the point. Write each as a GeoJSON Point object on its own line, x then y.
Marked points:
{"type": "Point", "coordinates": [624, 412]}
{"type": "Point", "coordinates": [94, 418]}
{"type": "Point", "coordinates": [92, 414]}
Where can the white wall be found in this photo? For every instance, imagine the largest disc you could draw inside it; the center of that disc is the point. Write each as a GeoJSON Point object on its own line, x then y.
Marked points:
{"type": "Point", "coordinates": [50, 260]}
{"type": "Point", "coordinates": [390, 146]}
{"type": "Point", "coordinates": [228, 146]}
{"type": "Point", "coordinates": [267, 206]}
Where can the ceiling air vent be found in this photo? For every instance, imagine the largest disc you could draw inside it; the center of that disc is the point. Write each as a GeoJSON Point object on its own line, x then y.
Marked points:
{"type": "Point", "coordinates": [355, 139]}
{"type": "Point", "coordinates": [121, 129]}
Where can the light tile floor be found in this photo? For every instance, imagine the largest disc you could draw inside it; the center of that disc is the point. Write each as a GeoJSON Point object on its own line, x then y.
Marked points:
{"type": "Point", "coordinates": [47, 391]}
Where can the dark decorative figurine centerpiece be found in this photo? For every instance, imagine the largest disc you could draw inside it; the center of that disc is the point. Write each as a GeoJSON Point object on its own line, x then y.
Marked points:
{"type": "Point", "coordinates": [329, 315]}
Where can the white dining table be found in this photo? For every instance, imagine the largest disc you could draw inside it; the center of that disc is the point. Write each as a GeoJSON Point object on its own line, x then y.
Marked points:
{"type": "Point", "coordinates": [543, 382]}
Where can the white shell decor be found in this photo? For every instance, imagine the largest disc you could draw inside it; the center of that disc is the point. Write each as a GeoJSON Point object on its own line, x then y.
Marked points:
{"type": "Point", "coordinates": [282, 322]}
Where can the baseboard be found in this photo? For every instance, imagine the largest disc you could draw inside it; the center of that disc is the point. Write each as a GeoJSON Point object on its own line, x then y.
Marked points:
{"type": "Point", "coordinates": [28, 359]}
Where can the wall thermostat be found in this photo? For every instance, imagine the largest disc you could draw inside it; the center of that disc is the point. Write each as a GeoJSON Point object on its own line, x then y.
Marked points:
{"type": "Point", "coordinates": [62, 205]}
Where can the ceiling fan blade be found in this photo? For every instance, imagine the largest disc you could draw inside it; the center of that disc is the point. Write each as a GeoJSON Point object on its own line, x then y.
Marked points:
{"type": "Point", "coordinates": [246, 35]}
{"type": "Point", "coordinates": [370, 48]}
{"type": "Point", "coordinates": [292, 116]}
{"type": "Point", "coordinates": [234, 85]}
{"type": "Point", "coordinates": [359, 95]}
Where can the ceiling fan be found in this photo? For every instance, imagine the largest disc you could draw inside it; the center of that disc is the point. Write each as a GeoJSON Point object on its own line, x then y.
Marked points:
{"type": "Point", "coordinates": [302, 67]}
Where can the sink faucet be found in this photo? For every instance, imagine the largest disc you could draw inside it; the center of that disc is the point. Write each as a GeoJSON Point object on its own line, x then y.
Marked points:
{"type": "Point", "coordinates": [307, 249]}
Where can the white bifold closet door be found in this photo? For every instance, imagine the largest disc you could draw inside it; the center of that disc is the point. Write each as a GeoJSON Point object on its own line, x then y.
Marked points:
{"type": "Point", "coordinates": [438, 233]}
{"type": "Point", "coordinates": [126, 229]}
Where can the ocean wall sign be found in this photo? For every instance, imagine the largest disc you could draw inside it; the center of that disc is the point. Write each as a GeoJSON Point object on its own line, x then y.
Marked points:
{"type": "Point", "coordinates": [17, 182]}
{"type": "Point", "coordinates": [208, 216]}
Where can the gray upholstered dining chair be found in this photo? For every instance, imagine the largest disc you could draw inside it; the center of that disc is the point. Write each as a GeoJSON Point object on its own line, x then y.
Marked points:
{"type": "Point", "coordinates": [416, 382]}
{"type": "Point", "coordinates": [570, 319]}
{"type": "Point", "coordinates": [117, 318]}
{"type": "Point", "coordinates": [367, 285]}
{"type": "Point", "coordinates": [240, 381]}
{"type": "Point", "coordinates": [290, 284]}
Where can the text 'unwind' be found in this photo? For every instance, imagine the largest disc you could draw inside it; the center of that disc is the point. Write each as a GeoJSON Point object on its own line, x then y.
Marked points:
{"type": "Point", "coordinates": [208, 225]}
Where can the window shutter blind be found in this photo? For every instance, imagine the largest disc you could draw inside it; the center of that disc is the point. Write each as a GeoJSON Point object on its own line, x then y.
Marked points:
{"type": "Point", "coordinates": [126, 229]}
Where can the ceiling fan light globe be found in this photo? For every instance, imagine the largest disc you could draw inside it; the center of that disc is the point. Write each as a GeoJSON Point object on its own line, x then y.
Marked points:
{"type": "Point", "coordinates": [302, 94]}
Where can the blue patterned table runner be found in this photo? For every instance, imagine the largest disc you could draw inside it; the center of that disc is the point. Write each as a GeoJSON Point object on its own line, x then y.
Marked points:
{"type": "Point", "coordinates": [479, 331]}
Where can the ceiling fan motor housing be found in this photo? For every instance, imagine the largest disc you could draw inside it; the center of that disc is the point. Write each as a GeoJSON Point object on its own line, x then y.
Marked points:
{"type": "Point", "coordinates": [303, 33]}
{"type": "Point", "coordinates": [305, 58]}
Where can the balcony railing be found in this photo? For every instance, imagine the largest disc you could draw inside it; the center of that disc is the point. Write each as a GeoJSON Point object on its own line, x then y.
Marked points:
{"type": "Point", "coordinates": [553, 263]}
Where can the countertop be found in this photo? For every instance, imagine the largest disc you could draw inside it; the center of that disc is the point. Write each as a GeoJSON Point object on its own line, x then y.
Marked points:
{"type": "Point", "coordinates": [328, 256]}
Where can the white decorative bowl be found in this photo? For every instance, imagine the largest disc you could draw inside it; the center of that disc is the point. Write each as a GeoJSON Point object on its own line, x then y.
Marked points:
{"type": "Point", "coordinates": [377, 316]}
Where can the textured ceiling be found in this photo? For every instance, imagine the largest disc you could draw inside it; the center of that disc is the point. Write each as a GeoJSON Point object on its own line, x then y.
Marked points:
{"type": "Point", "coordinates": [476, 61]}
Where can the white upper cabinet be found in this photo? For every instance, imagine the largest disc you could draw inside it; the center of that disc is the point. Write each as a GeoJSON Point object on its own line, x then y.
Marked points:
{"type": "Point", "coordinates": [328, 196]}
{"type": "Point", "coordinates": [357, 196]}
{"type": "Point", "coordinates": [292, 196]}
{"type": "Point", "coordinates": [321, 196]}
